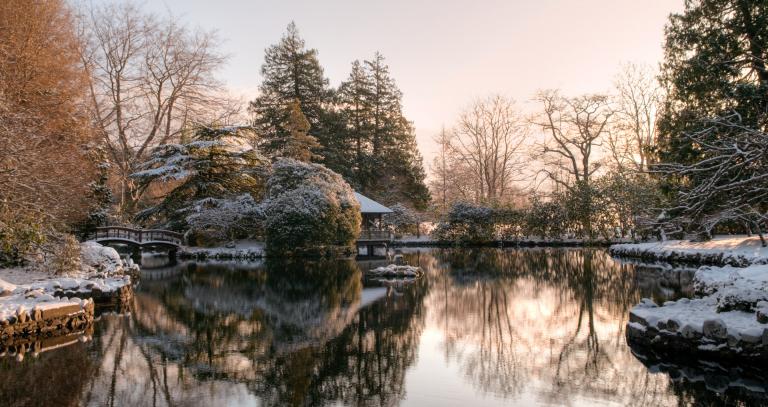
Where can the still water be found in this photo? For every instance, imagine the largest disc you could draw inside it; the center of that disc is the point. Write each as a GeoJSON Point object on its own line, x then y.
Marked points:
{"type": "Point", "coordinates": [483, 327]}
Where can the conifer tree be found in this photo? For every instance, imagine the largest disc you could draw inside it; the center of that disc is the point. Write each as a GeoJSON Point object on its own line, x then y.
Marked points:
{"type": "Point", "coordinates": [213, 165]}
{"type": "Point", "coordinates": [300, 144]}
{"type": "Point", "coordinates": [388, 165]}
{"type": "Point", "coordinates": [714, 65]}
{"type": "Point", "coordinates": [354, 97]}
{"type": "Point", "coordinates": [291, 73]}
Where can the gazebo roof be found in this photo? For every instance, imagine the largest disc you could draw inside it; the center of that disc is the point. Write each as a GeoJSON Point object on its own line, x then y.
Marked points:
{"type": "Point", "coordinates": [368, 205]}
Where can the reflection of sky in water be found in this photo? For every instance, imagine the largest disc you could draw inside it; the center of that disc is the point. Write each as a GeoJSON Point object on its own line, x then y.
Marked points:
{"type": "Point", "coordinates": [483, 328]}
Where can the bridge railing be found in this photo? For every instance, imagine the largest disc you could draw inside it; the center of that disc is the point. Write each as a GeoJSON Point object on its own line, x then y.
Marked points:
{"type": "Point", "coordinates": [138, 235]}
{"type": "Point", "coordinates": [374, 235]}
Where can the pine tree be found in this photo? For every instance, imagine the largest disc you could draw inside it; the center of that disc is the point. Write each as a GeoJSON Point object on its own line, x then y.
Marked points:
{"type": "Point", "coordinates": [388, 165]}
{"type": "Point", "coordinates": [715, 72]}
{"type": "Point", "coordinates": [714, 65]}
{"type": "Point", "coordinates": [354, 97]}
{"type": "Point", "coordinates": [300, 144]}
{"type": "Point", "coordinates": [291, 73]}
{"type": "Point", "coordinates": [213, 165]}
{"type": "Point", "coordinates": [101, 197]}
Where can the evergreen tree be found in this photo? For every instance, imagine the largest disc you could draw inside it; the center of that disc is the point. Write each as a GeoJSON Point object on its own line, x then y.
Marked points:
{"type": "Point", "coordinates": [354, 97]}
{"type": "Point", "coordinates": [387, 163]}
{"type": "Point", "coordinates": [715, 72]}
{"type": "Point", "coordinates": [714, 65]}
{"type": "Point", "coordinates": [101, 197]}
{"type": "Point", "coordinates": [213, 165]}
{"type": "Point", "coordinates": [291, 73]}
{"type": "Point", "coordinates": [300, 144]}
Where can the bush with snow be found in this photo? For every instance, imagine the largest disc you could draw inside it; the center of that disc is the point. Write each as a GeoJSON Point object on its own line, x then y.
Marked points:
{"type": "Point", "coordinates": [402, 220]}
{"type": "Point", "coordinates": [100, 258]}
{"type": "Point", "coordinates": [218, 219]}
{"type": "Point", "coordinates": [308, 207]}
{"type": "Point", "coordinates": [467, 223]}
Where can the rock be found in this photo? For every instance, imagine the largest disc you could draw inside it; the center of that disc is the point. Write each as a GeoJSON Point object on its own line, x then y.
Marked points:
{"type": "Point", "coordinates": [732, 340]}
{"type": "Point", "coordinates": [761, 317]}
{"type": "Point", "coordinates": [399, 260]}
{"type": "Point", "coordinates": [689, 332]}
{"type": "Point", "coordinates": [647, 303]}
{"type": "Point", "coordinates": [673, 325]}
{"type": "Point", "coordinates": [715, 328]}
{"type": "Point", "coordinates": [765, 337]}
{"type": "Point", "coordinates": [751, 337]}
{"type": "Point", "coordinates": [761, 312]}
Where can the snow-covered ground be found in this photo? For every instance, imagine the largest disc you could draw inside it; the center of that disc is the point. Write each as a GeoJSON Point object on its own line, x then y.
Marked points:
{"type": "Point", "coordinates": [240, 249]}
{"type": "Point", "coordinates": [731, 311]}
{"type": "Point", "coordinates": [733, 250]}
{"type": "Point", "coordinates": [22, 291]}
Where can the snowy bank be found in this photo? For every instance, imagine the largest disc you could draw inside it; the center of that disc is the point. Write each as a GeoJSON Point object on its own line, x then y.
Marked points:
{"type": "Point", "coordinates": [727, 322]}
{"type": "Point", "coordinates": [239, 250]}
{"type": "Point", "coordinates": [33, 303]}
{"type": "Point", "coordinates": [739, 251]}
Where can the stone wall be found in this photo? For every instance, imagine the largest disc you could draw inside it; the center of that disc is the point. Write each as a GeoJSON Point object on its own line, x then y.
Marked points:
{"type": "Point", "coordinates": [46, 320]}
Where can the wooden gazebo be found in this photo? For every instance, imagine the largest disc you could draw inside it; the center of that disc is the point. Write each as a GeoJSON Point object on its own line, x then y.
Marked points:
{"type": "Point", "coordinates": [372, 232]}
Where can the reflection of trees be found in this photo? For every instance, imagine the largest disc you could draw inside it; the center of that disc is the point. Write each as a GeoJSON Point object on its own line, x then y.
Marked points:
{"type": "Point", "coordinates": [285, 333]}
{"type": "Point", "coordinates": [549, 321]}
{"type": "Point", "coordinates": [51, 378]}
{"type": "Point", "coordinates": [364, 365]}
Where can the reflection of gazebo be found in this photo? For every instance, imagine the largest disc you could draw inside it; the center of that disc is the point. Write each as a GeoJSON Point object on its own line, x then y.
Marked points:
{"type": "Point", "coordinates": [372, 232]}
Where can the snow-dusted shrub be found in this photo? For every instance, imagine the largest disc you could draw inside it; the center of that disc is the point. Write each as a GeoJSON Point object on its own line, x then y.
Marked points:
{"type": "Point", "coordinates": [216, 220]}
{"type": "Point", "coordinates": [217, 163]}
{"type": "Point", "coordinates": [100, 258]}
{"type": "Point", "coordinates": [60, 255]}
{"type": "Point", "coordinates": [308, 207]}
{"type": "Point", "coordinates": [20, 233]}
{"type": "Point", "coordinates": [466, 223]}
{"type": "Point", "coordinates": [402, 220]}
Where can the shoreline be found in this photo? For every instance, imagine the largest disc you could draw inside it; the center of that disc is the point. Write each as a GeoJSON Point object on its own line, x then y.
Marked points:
{"type": "Point", "coordinates": [35, 305]}
{"type": "Point", "coordinates": [727, 318]}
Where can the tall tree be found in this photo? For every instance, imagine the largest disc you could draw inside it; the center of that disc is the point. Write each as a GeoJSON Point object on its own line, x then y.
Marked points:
{"type": "Point", "coordinates": [354, 101]}
{"type": "Point", "coordinates": [575, 129]}
{"type": "Point", "coordinates": [488, 141]}
{"type": "Point", "coordinates": [714, 64]}
{"type": "Point", "coordinates": [634, 129]}
{"type": "Point", "coordinates": [716, 110]}
{"type": "Point", "coordinates": [291, 73]}
{"type": "Point", "coordinates": [44, 130]}
{"type": "Point", "coordinates": [151, 79]}
{"type": "Point", "coordinates": [388, 165]}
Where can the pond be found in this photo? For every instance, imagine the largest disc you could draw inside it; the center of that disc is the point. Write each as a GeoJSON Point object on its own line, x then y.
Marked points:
{"type": "Point", "coordinates": [483, 327]}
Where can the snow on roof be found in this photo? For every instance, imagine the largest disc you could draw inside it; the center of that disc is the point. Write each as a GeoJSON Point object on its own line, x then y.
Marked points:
{"type": "Point", "coordinates": [368, 205]}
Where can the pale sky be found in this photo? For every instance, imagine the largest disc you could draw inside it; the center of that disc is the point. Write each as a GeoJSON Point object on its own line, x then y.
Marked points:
{"type": "Point", "coordinates": [444, 54]}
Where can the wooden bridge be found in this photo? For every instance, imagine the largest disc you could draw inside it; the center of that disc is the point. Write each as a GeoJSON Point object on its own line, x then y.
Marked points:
{"type": "Point", "coordinates": [137, 237]}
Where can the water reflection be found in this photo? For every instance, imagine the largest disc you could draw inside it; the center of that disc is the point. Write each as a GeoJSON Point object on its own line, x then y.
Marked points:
{"type": "Point", "coordinates": [534, 326]}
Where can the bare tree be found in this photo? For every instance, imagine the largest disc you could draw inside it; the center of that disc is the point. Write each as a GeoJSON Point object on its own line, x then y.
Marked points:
{"type": "Point", "coordinates": [575, 128]}
{"type": "Point", "coordinates": [151, 80]}
{"type": "Point", "coordinates": [633, 132]}
{"type": "Point", "coordinates": [487, 144]}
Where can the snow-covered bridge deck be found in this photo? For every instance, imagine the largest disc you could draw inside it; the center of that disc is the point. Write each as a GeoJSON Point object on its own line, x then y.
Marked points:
{"type": "Point", "coordinates": [138, 237]}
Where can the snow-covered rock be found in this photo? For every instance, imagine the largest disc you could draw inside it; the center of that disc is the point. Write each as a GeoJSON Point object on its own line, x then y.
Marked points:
{"type": "Point", "coordinates": [100, 258]}
{"type": "Point", "coordinates": [729, 320]}
{"type": "Point", "coordinates": [394, 270]}
{"type": "Point", "coordinates": [6, 288]}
